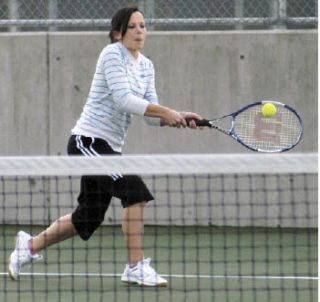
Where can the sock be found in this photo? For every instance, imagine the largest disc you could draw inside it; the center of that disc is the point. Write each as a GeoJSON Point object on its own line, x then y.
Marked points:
{"type": "Point", "coordinates": [30, 248]}
{"type": "Point", "coordinates": [134, 265]}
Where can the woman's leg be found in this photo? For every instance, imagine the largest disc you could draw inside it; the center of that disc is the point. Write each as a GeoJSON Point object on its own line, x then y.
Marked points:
{"type": "Point", "coordinates": [133, 226]}
{"type": "Point", "coordinates": [133, 229]}
{"type": "Point", "coordinates": [60, 230]}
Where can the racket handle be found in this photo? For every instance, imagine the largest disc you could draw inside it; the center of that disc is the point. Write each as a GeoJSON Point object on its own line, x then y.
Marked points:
{"type": "Point", "coordinates": [199, 123]}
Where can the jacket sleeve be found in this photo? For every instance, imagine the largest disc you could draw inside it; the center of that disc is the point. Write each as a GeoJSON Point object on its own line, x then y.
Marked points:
{"type": "Point", "coordinates": [151, 96]}
{"type": "Point", "coordinates": [115, 72]}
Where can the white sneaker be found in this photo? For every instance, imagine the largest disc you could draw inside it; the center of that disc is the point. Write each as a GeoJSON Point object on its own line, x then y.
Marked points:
{"type": "Point", "coordinates": [143, 274]}
{"type": "Point", "coordinates": [21, 255]}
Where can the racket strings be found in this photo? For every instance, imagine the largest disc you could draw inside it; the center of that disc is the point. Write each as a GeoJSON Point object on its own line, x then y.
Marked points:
{"type": "Point", "coordinates": [267, 133]}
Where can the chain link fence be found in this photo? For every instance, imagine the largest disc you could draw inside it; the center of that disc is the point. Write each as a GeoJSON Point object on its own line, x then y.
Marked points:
{"type": "Point", "coordinates": [24, 15]}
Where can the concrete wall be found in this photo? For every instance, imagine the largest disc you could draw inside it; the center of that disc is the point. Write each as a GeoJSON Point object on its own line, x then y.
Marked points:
{"type": "Point", "coordinates": [24, 119]}
{"type": "Point", "coordinates": [45, 78]}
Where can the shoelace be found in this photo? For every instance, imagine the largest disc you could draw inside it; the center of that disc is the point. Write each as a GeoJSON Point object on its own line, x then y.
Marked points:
{"type": "Point", "coordinates": [148, 268]}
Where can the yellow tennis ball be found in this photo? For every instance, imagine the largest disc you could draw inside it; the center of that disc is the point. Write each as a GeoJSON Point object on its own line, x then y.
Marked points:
{"type": "Point", "coordinates": [269, 110]}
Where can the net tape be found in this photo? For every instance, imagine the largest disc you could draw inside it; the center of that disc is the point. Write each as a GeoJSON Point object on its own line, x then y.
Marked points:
{"type": "Point", "coordinates": [161, 164]}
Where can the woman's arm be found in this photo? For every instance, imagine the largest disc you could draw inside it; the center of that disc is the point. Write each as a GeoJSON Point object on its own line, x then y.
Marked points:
{"type": "Point", "coordinates": [114, 69]}
{"type": "Point", "coordinates": [171, 117]}
{"type": "Point", "coordinates": [115, 72]}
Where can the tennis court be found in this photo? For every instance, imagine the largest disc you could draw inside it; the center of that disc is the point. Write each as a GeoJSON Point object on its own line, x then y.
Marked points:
{"type": "Point", "coordinates": [227, 224]}
{"type": "Point", "coordinates": [91, 271]}
{"type": "Point", "coordinates": [214, 237]}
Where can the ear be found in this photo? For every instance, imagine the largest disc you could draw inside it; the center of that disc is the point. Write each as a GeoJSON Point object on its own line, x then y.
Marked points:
{"type": "Point", "coordinates": [117, 35]}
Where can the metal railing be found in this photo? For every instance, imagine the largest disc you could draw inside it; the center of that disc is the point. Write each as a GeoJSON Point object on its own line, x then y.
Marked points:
{"type": "Point", "coordinates": [159, 14]}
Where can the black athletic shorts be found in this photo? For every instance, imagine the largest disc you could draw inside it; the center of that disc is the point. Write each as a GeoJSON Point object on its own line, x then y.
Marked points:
{"type": "Point", "coordinates": [96, 191]}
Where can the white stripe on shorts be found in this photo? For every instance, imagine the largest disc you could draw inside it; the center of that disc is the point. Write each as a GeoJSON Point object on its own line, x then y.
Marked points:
{"type": "Point", "coordinates": [92, 152]}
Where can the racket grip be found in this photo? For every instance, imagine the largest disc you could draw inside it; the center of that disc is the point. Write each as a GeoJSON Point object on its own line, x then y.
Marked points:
{"type": "Point", "coordinates": [199, 123]}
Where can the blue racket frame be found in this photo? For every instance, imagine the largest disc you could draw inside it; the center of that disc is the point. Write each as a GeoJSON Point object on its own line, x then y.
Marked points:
{"type": "Point", "coordinates": [232, 133]}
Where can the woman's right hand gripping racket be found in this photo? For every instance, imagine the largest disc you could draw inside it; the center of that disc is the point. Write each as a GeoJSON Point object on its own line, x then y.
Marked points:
{"type": "Point", "coordinates": [277, 130]}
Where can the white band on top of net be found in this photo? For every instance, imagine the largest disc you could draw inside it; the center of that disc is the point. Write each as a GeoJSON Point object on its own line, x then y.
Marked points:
{"type": "Point", "coordinates": [161, 164]}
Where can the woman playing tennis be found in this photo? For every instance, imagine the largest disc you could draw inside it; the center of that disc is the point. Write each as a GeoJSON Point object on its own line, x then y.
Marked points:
{"type": "Point", "coordinates": [122, 86]}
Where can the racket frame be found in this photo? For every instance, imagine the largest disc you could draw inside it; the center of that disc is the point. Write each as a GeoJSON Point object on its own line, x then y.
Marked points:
{"type": "Point", "coordinates": [231, 131]}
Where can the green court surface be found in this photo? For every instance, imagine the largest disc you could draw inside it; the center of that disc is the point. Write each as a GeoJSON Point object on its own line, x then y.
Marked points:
{"type": "Point", "coordinates": [200, 263]}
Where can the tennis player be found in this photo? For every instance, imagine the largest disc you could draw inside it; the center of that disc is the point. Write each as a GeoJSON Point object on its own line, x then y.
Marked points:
{"type": "Point", "coordinates": [122, 86]}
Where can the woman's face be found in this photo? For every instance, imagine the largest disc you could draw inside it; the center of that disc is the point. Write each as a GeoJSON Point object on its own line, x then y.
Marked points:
{"type": "Point", "coordinates": [135, 35]}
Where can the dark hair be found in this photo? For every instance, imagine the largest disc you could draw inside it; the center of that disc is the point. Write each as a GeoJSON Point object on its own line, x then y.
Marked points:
{"type": "Point", "coordinates": [120, 21]}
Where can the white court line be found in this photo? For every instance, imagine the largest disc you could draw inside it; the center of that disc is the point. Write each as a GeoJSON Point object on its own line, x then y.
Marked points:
{"type": "Point", "coordinates": [172, 276]}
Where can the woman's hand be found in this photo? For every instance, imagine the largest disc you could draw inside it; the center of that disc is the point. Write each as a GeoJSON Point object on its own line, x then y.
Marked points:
{"type": "Point", "coordinates": [173, 119]}
{"type": "Point", "coordinates": [196, 116]}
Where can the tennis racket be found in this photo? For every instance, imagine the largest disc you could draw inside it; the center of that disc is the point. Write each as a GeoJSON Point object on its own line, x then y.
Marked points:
{"type": "Point", "coordinates": [251, 128]}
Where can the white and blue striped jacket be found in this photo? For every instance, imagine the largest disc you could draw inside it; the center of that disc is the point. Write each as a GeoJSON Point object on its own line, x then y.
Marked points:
{"type": "Point", "coordinates": [121, 86]}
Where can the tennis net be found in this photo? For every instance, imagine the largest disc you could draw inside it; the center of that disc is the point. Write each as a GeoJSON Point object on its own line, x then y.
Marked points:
{"type": "Point", "coordinates": [235, 227]}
